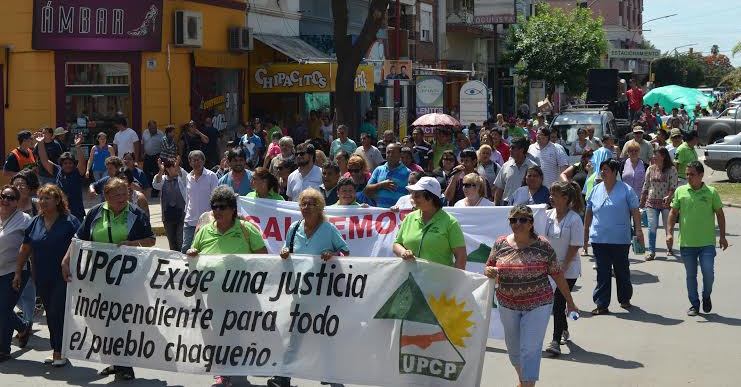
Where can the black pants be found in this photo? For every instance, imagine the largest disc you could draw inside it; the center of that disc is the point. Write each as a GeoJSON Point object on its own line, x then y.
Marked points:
{"type": "Point", "coordinates": [53, 294]}
{"type": "Point", "coordinates": [151, 168]}
{"type": "Point", "coordinates": [174, 232]}
{"type": "Point", "coordinates": [560, 323]}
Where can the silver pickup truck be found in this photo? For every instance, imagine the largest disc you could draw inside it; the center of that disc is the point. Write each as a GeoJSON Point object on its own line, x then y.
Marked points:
{"type": "Point", "coordinates": [712, 129]}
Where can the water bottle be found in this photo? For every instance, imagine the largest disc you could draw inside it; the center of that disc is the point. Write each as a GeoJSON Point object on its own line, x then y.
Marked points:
{"type": "Point", "coordinates": [574, 315]}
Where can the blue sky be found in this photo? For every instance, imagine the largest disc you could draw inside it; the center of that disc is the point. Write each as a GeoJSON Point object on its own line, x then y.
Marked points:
{"type": "Point", "coordinates": [698, 21]}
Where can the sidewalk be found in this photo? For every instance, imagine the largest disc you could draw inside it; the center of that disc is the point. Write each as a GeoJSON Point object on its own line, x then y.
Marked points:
{"type": "Point", "coordinates": [155, 213]}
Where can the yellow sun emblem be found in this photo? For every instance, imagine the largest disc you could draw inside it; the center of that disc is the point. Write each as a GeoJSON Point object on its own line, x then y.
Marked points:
{"type": "Point", "coordinates": [452, 317]}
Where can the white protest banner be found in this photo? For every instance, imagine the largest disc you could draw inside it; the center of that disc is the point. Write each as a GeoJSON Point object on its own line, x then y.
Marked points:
{"type": "Point", "coordinates": [371, 231]}
{"type": "Point", "coordinates": [374, 321]}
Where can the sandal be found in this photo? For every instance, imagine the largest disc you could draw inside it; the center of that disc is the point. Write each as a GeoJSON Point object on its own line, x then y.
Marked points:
{"type": "Point", "coordinates": [600, 311]}
{"type": "Point", "coordinates": [24, 336]}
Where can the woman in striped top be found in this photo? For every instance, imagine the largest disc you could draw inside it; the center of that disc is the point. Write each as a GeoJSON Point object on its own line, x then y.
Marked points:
{"type": "Point", "coordinates": [521, 263]}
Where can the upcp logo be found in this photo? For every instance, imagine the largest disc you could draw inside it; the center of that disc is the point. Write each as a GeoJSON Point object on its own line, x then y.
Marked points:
{"type": "Point", "coordinates": [432, 330]}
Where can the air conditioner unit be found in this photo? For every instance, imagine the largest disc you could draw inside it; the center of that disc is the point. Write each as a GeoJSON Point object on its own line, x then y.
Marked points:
{"type": "Point", "coordinates": [188, 28]}
{"type": "Point", "coordinates": [240, 39]}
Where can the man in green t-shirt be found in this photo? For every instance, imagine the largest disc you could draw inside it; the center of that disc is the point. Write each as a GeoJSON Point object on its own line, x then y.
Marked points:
{"type": "Point", "coordinates": [695, 204]}
{"type": "Point", "coordinates": [442, 143]}
{"type": "Point", "coordinates": [685, 154]}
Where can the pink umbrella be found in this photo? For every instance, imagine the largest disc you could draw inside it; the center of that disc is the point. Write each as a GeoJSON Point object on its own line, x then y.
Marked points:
{"type": "Point", "coordinates": [436, 119]}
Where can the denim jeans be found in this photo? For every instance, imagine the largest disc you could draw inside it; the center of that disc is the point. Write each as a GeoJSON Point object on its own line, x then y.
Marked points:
{"type": "Point", "coordinates": [611, 258]}
{"type": "Point", "coordinates": [706, 257]}
{"type": "Point", "coordinates": [188, 234]}
{"type": "Point", "coordinates": [9, 321]}
{"type": "Point", "coordinates": [27, 301]}
{"type": "Point", "coordinates": [653, 225]}
{"type": "Point", "coordinates": [523, 333]}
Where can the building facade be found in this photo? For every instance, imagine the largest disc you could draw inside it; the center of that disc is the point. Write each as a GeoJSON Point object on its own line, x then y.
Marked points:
{"type": "Point", "coordinates": [81, 63]}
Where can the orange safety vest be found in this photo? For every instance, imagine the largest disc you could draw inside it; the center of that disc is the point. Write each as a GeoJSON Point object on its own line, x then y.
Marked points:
{"type": "Point", "coordinates": [23, 160]}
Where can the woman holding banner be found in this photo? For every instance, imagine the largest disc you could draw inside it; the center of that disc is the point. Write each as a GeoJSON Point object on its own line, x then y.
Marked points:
{"type": "Point", "coordinates": [14, 223]}
{"type": "Point", "coordinates": [114, 221]}
{"type": "Point", "coordinates": [429, 232]}
{"type": "Point", "coordinates": [227, 234]}
{"type": "Point", "coordinates": [312, 235]}
{"type": "Point", "coordinates": [521, 263]}
{"type": "Point", "coordinates": [50, 232]}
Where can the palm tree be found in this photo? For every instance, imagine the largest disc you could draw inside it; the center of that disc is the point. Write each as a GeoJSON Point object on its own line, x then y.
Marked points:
{"type": "Point", "coordinates": [736, 49]}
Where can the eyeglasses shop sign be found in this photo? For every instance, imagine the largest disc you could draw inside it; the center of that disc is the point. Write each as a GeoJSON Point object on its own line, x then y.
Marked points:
{"type": "Point", "coordinates": [429, 94]}
{"type": "Point", "coordinates": [474, 103]}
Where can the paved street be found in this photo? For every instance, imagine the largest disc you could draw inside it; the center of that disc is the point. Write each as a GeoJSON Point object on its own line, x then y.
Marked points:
{"type": "Point", "coordinates": [654, 344]}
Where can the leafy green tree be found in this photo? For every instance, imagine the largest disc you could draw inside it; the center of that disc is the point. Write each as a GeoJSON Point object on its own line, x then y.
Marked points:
{"type": "Point", "coordinates": [558, 46]}
{"type": "Point", "coordinates": [736, 49]}
{"type": "Point", "coordinates": [683, 70]}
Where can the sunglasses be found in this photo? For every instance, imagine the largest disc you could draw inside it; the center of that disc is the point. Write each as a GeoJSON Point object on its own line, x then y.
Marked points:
{"type": "Point", "coordinates": [354, 170]}
{"type": "Point", "coordinates": [219, 207]}
{"type": "Point", "coordinates": [519, 220]}
{"type": "Point", "coordinates": [469, 185]}
{"type": "Point", "coordinates": [300, 153]}
{"type": "Point", "coordinates": [9, 198]}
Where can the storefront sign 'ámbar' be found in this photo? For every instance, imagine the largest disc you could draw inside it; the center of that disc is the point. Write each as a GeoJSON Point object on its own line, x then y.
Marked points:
{"type": "Point", "coordinates": [304, 78]}
{"type": "Point", "coordinates": [94, 25]}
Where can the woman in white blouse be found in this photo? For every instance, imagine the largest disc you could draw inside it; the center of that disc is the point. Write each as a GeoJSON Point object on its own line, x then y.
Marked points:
{"type": "Point", "coordinates": [473, 189]}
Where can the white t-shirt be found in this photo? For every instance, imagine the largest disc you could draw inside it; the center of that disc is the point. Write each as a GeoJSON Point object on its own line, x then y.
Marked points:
{"type": "Point", "coordinates": [11, 238]}
{"type": "Point", "coordinates": [561, 235]}
{"type": "Point", "coordinates": [482, 202]}
{"type": "Point", "coordinates": [298, 183]}
{"type": "Point", "coordinates": [373, 156]}
{"type": "Point", "coordinates": [125, 141]}
{"type": "Point", "coordinates": [404, 202]}
{"type": "Point", "coordinates": [551, 159]}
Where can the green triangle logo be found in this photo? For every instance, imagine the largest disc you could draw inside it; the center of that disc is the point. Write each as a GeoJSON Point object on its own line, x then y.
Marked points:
{"type": "Point", "coordinates": [407, 303]}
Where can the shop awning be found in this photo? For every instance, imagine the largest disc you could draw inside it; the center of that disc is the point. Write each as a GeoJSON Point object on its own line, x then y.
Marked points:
{"type": "Point", "coordinates": [292, 47]}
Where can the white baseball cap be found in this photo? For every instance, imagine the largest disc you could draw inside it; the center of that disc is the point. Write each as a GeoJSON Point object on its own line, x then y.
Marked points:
{"type": "Point", "coordinates": [426, 184]}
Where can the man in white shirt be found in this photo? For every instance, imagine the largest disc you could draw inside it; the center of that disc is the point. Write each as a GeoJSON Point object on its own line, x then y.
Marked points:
{"type": "Point", "coordinates": [152, 140]}
{"type": "Point", "coordinates": [200, 183]}
{"type": "Point", "coordinates": [552, 160]}
{"type": "Point", "coordinates": [126, 140]}
{"type": "Point", "coordinates": [370, 153]}
{"type": "Point", "coordinates": [307, 175]}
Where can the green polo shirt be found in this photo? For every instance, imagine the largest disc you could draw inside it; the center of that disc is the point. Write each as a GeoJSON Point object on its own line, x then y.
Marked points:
{"type": "Point", "coordinates": [437, 153]}
{"type": "Point", "coordinates": [433, 241]}
{"type": "Point", "coordinates": [696, 215]}
{"type": "Point", "coordinates": [683, 156]}
{"type": "Point", "coordinates": [271, 195]}
{"type": "Point", "coordinates": [236, 240]}
{"type": "Point", "coordinates": [117, 223]}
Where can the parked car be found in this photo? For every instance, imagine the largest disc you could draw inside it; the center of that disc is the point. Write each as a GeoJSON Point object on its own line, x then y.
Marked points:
{"type": "Point", "coordinates": [712, 129]}
{"type": "Point", "coordinates": [725, 155]}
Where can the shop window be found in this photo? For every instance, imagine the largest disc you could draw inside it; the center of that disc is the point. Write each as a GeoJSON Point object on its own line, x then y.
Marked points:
{"type": "Point", "coordinates": [215, 93]}
{"type": "Point", "coordinates": [95, 94]}
{"type": "Point", "coordinates": [425, 22]}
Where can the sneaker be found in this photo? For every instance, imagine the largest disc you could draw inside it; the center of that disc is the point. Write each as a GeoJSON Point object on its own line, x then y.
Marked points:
{"type": "Point", "coordinates": [707, 305]}
{"type": "Point", "coordinates": [650, 256]}
{"type": "Point", "coordinates": [565, 336]}
{"type": "Point", "coordinates": [279, 381]}
{"type": "Point", "coordinates": [222, 381]}
{"type": "Point", "coordinates": [692, 311]}
{"type": "Point", "coordinates": [554, 348]}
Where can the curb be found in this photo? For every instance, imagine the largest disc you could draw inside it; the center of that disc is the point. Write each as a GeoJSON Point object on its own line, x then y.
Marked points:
{"type": "Point", "coordinates": [158, 230]}
{"type": "Point", "coordinates": [732, 205]}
